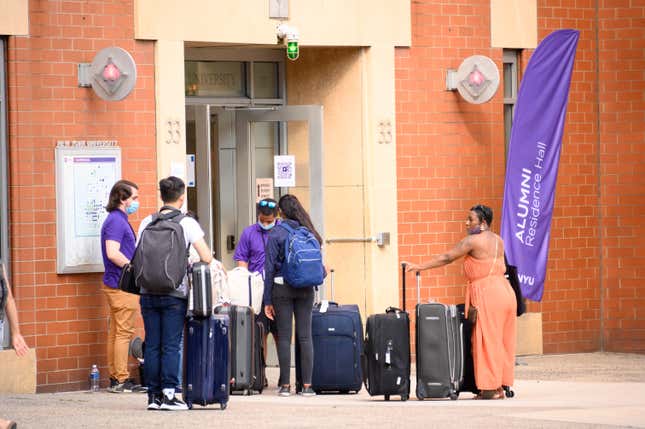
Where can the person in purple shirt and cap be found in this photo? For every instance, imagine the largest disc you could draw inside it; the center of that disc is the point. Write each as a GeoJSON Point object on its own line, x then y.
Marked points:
{"type": "Point", "coordinates": [249, 252]}
{"type": "Point", "coordinates": [117, 247]}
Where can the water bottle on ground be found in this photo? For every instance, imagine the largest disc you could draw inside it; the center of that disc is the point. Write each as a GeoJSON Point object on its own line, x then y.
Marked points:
{"type": "Point", "coordinates": [94, 378]}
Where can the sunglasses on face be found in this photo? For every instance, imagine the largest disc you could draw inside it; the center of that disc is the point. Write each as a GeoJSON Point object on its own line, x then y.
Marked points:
{"type": "Point", "coordinates": [269, 204]}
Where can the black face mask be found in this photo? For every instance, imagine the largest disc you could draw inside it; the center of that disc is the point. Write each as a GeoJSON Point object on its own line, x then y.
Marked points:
{"type": "Point", "coordinates": [473, 231]}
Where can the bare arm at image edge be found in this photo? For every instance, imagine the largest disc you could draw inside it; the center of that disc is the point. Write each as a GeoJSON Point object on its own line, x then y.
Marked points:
{"type": "Point", "coordinates": [17, 341]}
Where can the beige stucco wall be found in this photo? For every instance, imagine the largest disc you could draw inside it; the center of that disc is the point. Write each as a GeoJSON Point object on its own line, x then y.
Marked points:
{"type": "Point", "coordinates": [170, 108]}
{"type": "Point", "coordinates": [14, 17]}
{"type": "Point", "coordinates": [354, 85]}
{"type": "Point", "coordinates": [320, 23]}
{"type": "Point", "coordinates": [356, 88]}
{"type": "Point", "coordinates": [513, 24]}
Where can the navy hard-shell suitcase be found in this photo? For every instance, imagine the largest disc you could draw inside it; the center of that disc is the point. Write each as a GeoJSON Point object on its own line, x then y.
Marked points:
{"type": "Point", "coordinates": [206, 377]}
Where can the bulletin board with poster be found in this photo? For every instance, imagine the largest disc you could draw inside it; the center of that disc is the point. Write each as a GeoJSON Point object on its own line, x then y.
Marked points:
{"type": "Point", "coordinates": [85, 173]}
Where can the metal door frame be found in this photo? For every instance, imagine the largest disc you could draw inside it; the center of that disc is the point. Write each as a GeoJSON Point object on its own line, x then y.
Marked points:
{"type": "Point", "coordinates": [313, 115]}
{"type": "Point", "coordinates": [4, 182]}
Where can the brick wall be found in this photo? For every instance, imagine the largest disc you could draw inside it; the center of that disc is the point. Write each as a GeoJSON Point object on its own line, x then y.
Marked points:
{"type": "Point", "coordinates": [64, 316]}
{"type": "Point", "coordinates": [621, 76]}
{"type": "Point", "coordinates": [571, 303]}
{"type": "Point", "coordinates": [450, 156]}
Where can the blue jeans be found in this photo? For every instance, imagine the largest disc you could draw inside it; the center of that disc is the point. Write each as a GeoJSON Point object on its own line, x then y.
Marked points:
{"type": "Point", "coordinates": [163, 319]}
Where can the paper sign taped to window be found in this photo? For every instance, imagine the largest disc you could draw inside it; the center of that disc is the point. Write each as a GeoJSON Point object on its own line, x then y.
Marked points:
{"type": "Point", "coordinates": [263, 188]}
{"type": "Point", "coordinates": [284, 171]}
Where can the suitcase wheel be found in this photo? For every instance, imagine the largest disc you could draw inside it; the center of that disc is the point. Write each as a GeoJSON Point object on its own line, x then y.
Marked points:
{"type": "Point", "coordinates": [249, 392]}
{"type": "Point", "coordinates": [222, 406]}
{"type": "Point", "coordinates": [189, 404]}
{"type": "Point", "coordinates": [405, 397]}
{"type": "Point", "coordinates": [454, 396]}
{"type": "Point", "coordinates": [387, 397]}
{"type": "Point", "coordinates": [344, 392]}
{"type": "Point", "coordinates": [509, 392]}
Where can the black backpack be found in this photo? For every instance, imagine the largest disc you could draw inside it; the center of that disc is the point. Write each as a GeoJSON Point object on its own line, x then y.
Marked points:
{"type": "Point", "coordinates": [161, 258]}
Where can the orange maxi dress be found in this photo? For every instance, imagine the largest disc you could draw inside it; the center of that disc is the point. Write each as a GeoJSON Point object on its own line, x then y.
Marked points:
{"type": "Point", "coordinates": [494, 333]}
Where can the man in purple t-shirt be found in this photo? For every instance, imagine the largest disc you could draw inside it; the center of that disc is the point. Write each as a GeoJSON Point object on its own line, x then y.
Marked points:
{"type": "Point", "coordinates": [249, 252]}
{"type": "Point", "coordinates": [117, 246]}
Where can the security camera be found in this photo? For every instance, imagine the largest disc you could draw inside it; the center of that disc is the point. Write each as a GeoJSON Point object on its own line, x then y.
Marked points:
{"type": "Point", "coordinates": [292, 37]}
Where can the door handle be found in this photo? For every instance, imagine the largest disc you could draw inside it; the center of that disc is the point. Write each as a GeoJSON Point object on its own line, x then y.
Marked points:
{"type": "Point", "coordinates": [230, 243]}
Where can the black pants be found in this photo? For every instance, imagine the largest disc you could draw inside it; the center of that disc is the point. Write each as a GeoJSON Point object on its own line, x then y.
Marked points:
{"type": "Point", "coordinates": [287, 302]}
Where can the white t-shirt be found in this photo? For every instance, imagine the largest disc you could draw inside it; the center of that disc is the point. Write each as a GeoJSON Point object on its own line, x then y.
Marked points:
{"type": "Point", "coordinates": [192, 233]}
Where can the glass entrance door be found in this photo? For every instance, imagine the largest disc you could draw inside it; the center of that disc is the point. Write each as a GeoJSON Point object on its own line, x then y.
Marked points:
{"type": "Point", "coordinates": [234, 155]}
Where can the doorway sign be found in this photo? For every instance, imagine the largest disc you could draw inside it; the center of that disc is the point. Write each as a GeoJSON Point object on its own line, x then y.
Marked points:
{"type": "Point", "coordinates": [284, 171]}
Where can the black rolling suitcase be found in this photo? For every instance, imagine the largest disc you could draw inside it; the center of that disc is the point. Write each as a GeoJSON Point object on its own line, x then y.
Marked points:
{"type": "Point", "coordinates": [206, 377]}
{"type": "Point", "coordinates": [259, 365]}
{"type": "Point", "coordinates": [386, 366]}
{"type": "Point", "coordinates": [468, 383]}
{"type": "Point", "coordinates": [439, 348]}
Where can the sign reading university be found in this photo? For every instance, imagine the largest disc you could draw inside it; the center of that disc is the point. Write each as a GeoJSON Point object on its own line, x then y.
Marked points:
{"type": "Point", "coordinates": [533, 157]}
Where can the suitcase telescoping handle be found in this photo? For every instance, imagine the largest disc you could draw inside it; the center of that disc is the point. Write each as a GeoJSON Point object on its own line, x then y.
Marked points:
{"type": "Point", "coordinates": [403, 265]}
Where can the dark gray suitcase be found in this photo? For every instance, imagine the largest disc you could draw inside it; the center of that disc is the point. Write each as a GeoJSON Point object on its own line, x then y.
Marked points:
{"type": "Point", "coordinates": [242, 328]}
{"type": "Point", "coordinates": [200, 299]}
{"type": "Point", "coordinates": [439, 347]}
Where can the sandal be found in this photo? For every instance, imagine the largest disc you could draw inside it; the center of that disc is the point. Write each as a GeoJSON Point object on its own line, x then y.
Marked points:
{"type": "Point", "coordinates": [490, 394]}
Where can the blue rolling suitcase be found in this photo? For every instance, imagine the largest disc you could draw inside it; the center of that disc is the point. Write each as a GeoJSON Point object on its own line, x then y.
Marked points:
{"type": "Point", "coordinates": [206, 378]}
{"type": "Point", "coordinates": [337, 332]}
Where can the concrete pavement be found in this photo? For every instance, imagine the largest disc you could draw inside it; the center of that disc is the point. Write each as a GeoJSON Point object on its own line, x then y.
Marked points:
{"type": "Point", "coordinates": [552, 391]}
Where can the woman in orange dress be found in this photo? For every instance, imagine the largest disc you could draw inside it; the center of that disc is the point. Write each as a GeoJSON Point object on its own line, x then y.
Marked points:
{"type": "Point", "coordinates": [491, 294]}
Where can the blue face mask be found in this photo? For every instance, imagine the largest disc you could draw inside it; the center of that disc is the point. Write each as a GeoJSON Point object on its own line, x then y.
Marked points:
{"type": "Point", "coordinates": [266, 227]}
{"type": "Point", "coordinates": [133, 207]}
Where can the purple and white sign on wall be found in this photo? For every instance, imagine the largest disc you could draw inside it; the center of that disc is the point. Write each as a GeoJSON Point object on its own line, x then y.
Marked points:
{"type": "Point", "coordinates": [533, 157]}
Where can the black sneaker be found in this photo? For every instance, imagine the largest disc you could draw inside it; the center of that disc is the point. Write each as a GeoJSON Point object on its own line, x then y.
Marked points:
{"type": "Point", "coordinates": [284, 391]}
{"type": "Point", "coordinates": [154, 402]}
{"type": "Point", "coordinates": [307, 391]}
{"type": "Point", "coordinates": [126, 387]}
{"type": "Point", "coordinates": [174, 404]}
{"type": "Point", "coordinates": [136, 387]}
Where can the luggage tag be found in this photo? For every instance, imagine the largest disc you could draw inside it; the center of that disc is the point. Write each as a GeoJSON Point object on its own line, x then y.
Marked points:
{"type": "Point", "coordinates": [324, 306]}
{"type": "Point", "coordinates": [388, 350]}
